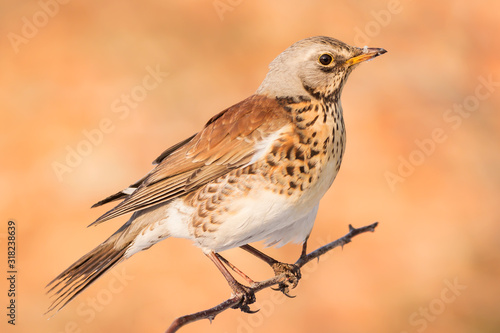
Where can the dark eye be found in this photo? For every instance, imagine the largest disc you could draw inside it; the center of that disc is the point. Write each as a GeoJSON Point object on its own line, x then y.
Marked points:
{"type": "Point", "coordinates": [325, 59]}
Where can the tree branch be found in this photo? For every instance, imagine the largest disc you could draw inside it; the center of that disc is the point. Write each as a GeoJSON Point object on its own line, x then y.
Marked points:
{"type": "Point", "coordinates": [258, 286]}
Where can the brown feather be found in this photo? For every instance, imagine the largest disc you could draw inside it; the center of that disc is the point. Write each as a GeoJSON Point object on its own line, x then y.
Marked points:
{"type": "Point", "coordinates": [119, 195]}
{"type": "Point", "coordinates": [67, 285]}
{"type": "Point", "coordinates": [227, 141]}
{"type": "Point", "coordinates": [170, 150]}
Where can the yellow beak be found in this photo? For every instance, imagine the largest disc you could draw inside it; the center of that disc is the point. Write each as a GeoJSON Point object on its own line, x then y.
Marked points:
{"type": "Point", "coordinates": [368, 53]}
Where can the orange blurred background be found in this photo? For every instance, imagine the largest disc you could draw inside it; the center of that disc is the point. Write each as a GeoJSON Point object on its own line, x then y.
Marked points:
{"type": "Point", "coordinates": [422, 158]}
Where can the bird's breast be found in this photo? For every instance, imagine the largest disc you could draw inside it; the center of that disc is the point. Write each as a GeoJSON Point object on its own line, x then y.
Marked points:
{"type": "Point", "coordinates": [303, 162]}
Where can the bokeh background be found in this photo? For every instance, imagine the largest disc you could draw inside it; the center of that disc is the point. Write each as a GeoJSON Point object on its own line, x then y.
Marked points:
{"type": "Point", "coordinates": [422, 158]}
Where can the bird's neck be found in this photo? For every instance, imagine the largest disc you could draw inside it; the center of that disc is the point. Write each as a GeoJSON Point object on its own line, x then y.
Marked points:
{"type": "Point", "coordinates": [307, 112]}
{"type": "Point", "coordinates": [319, 123]}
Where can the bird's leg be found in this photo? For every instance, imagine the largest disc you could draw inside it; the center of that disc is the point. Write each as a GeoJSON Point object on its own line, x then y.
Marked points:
{"type": "Point", "coordinates": [236, 269]}
{"type": "Point", "coordinates": [291, 271]}
{"type": "Point", "coordinates": [304, 248]}
{"type": "Point", "coordinates": [262, 256]}
{"type": "Point", "coordinates": [246, 294]}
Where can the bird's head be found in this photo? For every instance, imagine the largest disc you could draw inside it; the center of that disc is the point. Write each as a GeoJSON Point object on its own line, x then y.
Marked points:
{"type": "Point", "coordinates": [317, 66]}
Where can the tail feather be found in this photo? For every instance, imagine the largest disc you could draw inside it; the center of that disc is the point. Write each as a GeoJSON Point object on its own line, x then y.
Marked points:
{"type": "Point", "coordinates": [67, 285]}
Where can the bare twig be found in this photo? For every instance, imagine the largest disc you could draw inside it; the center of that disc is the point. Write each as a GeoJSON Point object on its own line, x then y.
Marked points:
{"type": "Point", "coordinates": [258, 286]}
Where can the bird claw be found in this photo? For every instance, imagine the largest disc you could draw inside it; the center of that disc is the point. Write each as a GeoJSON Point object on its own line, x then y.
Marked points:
{"type": "Point", "coordinates": [246, 309]}
{"type": "Point", "coordinates": [247, 297]}
{"type": "Point", "coordinates": [293, 275]}
{"type": "Point", "coordinates": [284, 289]}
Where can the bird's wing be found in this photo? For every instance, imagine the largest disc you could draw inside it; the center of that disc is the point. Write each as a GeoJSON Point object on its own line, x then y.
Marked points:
{"type": "Point", "coordinates": [233, 138]}
{"type": "Point", "coordinates": [129, 190]}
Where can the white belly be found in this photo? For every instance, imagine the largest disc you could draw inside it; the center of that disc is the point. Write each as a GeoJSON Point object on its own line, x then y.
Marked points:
{"type": "Point", "coordinates": [274, 218]}
{"type": "Point", "coordinates": [269, 218]}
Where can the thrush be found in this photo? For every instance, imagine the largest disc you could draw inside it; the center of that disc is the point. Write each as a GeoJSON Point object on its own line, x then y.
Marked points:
{"type": "Point", "coordinates": [255, 172]}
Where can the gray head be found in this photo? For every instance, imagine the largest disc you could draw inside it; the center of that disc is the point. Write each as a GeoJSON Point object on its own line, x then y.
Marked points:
{"type": "Point", "coordinates": [317, 66]}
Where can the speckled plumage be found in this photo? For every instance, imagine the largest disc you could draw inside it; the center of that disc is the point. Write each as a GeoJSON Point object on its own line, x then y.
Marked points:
{"type": "Point", "coordinates": [256, 171]}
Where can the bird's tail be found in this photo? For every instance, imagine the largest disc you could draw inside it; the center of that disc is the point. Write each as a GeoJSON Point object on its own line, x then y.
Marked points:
{"type": "Point", "coordinates": [67, 285]}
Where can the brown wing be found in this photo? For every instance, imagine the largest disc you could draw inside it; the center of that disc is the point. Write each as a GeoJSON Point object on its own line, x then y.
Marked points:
{"type": "Point", "coordinates": [229, 140]}
{"type": "Point", "coordinates": [125, 193]}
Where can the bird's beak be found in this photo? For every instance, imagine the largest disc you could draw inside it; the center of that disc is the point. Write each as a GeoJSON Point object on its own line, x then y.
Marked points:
{"type": "Point", "coordinates": [367, 54]}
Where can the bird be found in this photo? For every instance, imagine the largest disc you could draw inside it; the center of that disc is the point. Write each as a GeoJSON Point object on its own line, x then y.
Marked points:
{"type": "Point", "coordinates": [255, 172]}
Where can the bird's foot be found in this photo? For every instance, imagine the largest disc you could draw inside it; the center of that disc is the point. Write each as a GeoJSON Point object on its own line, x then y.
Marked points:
{"type": "Point", "coordinates": [292, 277]}
{"type": "Point", "coordinates": [247, 297]}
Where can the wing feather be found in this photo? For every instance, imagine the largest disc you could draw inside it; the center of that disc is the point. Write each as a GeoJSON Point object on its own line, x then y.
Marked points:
{"type": "Point", "coordinates": [229, 140]}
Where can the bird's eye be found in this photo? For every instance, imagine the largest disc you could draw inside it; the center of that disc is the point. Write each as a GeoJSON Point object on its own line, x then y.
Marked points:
{"type": "Point", "coordinates": [325, 59]}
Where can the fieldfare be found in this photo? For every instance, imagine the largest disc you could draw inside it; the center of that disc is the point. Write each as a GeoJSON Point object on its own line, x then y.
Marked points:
{"type": "Point", "coordinates": [255, 172]}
